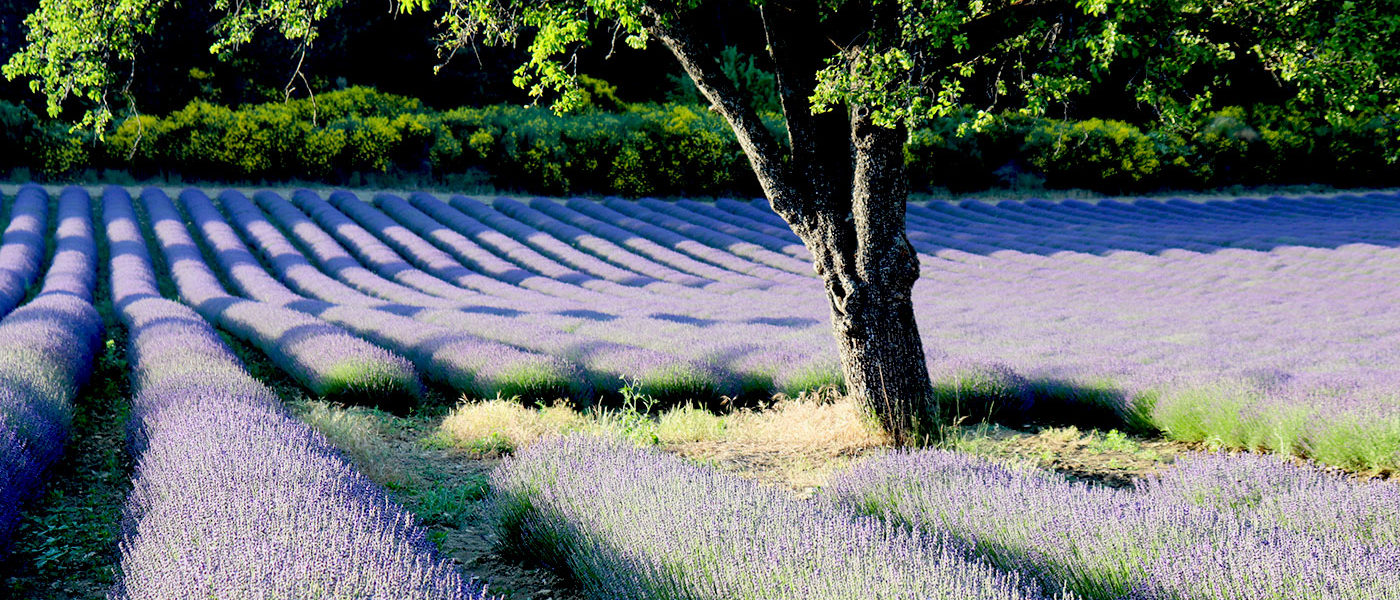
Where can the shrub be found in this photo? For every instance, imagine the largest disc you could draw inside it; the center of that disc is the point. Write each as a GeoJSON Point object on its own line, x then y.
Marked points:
{"type": "Point", "coordinates": [1103, 154]}
{"type": "Point", "coordinates": [47, 149]}
{"type": "Point", "coordinates": [682, 148]}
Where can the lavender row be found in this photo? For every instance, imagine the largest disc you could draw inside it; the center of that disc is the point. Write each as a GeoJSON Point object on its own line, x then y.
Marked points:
{"type": "Point", "coordinates": [1217, 528]}
{"type": "Point", "coordinates": [46, 352]}
{"type": "Point", "coordinates": [22, 247]}
{"type": "Point", "coordinates": [785, 362]}
{"type": "Point", "coordinates": [605, 363]}
{"type": "Point", "coordinates": [556, 249]}
{"type": "Point", "coordinates": [631, 523]}
{"type": "Point", "coordinates": [494, 233]}
{"type": "Point", "coordinates": [233, 498]}
{"type": "Point", "coordinates": [1258, 324]}
{"type": "Point", "coordinates": [470, 365]}
{"type": "Point", "coordinates": [383, 260]}
{"type": "Point", "coordinates": [681, 254]}
{"type": "Point", "coordinates": [603, 248]}
{"type": "Point", "coordinates": [428, 258]}
{"type": "Point", "coordinates": [696, 227]}
{"type": "Point", "coordinates": [475, 256]}
{"type": "Point", "coordinates": [723, 361]}
{"type": "Point", "coordinates": [325, 358]}
{"type": "Point", "coordinates": [742, 225]}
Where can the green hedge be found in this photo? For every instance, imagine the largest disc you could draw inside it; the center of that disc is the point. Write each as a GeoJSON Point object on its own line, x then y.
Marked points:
{"type": "Point", "coordinates": [1263, 146]}
{"type": "Point", "coordinates": [343, 137]}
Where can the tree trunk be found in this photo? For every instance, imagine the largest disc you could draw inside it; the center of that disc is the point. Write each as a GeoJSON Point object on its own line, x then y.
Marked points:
{"type": "Point", "coordinates": [869, 267]}
{"type": "Point", "coordinates": [840, 184]}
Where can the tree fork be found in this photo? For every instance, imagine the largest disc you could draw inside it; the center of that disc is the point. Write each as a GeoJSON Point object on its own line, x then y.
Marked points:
{"type": "Point", "coordinates": [843, 191]}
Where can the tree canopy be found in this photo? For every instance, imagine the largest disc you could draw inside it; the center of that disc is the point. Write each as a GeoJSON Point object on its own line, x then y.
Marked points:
{"type": "Point", "coordinates": [910, 59]}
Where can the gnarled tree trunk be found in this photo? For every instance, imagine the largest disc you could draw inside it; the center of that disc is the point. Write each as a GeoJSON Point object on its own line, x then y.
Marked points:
{"type": "Point", "coordinates": [840, 184]}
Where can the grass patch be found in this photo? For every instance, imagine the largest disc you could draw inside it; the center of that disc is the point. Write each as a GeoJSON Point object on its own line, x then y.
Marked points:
{"type": "Point", "coordinates": [807, 423]}
{"type": "Point", "coordinates": [1111, 457]}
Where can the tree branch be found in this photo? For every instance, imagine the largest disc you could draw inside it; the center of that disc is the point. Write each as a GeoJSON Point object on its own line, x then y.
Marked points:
{"type": "Point", "coordinates": [820, 146]}
{"type": "Point", "coordinates": [695, 56]}
{"type": "Point", "coordinates": [985, 33]}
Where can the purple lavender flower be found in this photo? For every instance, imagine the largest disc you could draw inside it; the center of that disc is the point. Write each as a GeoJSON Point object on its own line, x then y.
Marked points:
{"type": "Point", "coordinates": [233, 498]}
{"type": "Point", "coordinates": [639, 524]}
{"type": "Point", "coordinates": [1217, 527]}
{"type": "Point", "coordinates": [46, 351]}
{"type": "Point", "coordinates": [323, 357]}
{"type": "Point", "coordinates": [469, 364]}
{"type": "Point", "coordinates": [22, 247]}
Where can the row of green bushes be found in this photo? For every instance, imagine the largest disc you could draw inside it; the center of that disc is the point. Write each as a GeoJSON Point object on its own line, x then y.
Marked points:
{"type": "Point", "coordinates": [1262, 146]}
{"type": "Point", "coordinates": [678, 148]}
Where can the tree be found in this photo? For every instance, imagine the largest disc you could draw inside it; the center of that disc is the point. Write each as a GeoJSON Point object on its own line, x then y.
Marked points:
{"type": "Point", "coordinates": [853, 76]}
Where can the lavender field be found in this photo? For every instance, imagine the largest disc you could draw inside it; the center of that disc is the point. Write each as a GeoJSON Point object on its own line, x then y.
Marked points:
{"type": "Point", "coordinates": [1262, 324]}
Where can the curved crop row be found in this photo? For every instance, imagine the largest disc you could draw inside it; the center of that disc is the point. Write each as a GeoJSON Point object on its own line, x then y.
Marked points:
{"type": "Point", "coordinates": [619, 256]}
{"type": "Point", "coordinates": [769, 360]}
{"type": "Point", "coordinates": [475, 256]}
{"type": "Point", "coordinates": [471, 365]}
{"type": "Point", "coordinates": [512, 249]}
{"type": "Point", "coordinates": [233, 498]}
{"type": "Point", "coordinates": [22, 247]}
{"type": "Point", "coordinates": [682, 255]}
{"type": "Point", "coordinates": [555, 249]}
{"type": "Point", "coordinates": [1217, 528]}
{"type": "Point", "coordinates": [382, 260]}
{"type": "Point", "coordinates": [605, 363]}
{"type": "Point", "coordinates": [425, 256]}
{"type": "Point", "coordinates": [46, 352]}
{"type": "Point", "coordinates": [323, 357]}
{"type": "Point", "coordinates": [623, 522]}
{"type": "Point", "coordinates": [665, 214]}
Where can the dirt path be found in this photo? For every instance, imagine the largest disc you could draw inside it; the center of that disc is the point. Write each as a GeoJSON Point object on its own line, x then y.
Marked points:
{"type": "Point", "coordinates": [447, 490]}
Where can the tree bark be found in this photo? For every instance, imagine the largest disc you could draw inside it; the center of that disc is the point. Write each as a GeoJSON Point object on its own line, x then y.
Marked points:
{"type": "Point", "coordinates": [840, 185]}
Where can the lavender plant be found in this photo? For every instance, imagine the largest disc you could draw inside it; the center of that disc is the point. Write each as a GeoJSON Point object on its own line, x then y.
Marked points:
{"type": "Point", "coordinates": [233, 498]}
{"type": "Point", "coordinates": [638, 524]}
{"type": "Point", "coordinates": [325, 358]}
{"type": "Point", "coordinates": [468, 364]}
{"type": "Point", "coordinates": [1215, 528]}
{"type": "Point", "coordinates": [46, 352]}
{"type": "Point", "coordinates": [22, 246]}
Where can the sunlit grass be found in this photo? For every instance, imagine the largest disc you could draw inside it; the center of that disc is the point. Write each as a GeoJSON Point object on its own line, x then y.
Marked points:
{"type": "Point", "coordinates": [806, 423]}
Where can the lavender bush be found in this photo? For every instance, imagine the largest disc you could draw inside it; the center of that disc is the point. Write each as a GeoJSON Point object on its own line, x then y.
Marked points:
{"type": "Point", "coordinates": [323, 357]}
{"type": "Point", "coordinates": [1273, 337]}
{"type": "Point", "coordinates": [233, 498]}
{"type": "Point", "coordinates": [1241, 323]}
{"type": "Point", "coordinates": [607, 362]}
{"type": "Point", "coordinates": [639, 524]}
{"type": "Point", "coordinates": [46, 352]}
{"type": "Point", "coordinates": [22, 247]}
{"type": "Point", "coordinates": [468, 364]}
{"type": "Point", "coordinates": [1214, 528]}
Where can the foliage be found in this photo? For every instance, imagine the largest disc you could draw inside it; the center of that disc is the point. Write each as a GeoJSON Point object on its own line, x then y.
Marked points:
{"type": "Point", "coordinates": [1118, 154]}
{"type": "Point", "coordinates": [915, 61]}
{"type": "Point", "coordinates": [43, 147]}
{"type": "Point", "coordinates": [752, 80]}
{"type": "Point", "coordinates": [676, 149]}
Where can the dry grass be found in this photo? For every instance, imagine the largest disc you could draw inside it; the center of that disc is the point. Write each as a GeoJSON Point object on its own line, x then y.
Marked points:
{"type": "Point", "coordinates": [795, 442]}
{"type": "Point", "coordinates": [799, 424]}
{"type": "Point", "coordinates": [838, 426]}
{"type": "Point", "coordinates": [501, 426]}
{"type": "Point", "coordinates": [356, 432]}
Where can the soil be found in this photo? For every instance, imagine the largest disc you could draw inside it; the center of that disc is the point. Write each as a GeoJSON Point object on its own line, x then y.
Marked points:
{"type": "Point", "coordinates": [466, 537]}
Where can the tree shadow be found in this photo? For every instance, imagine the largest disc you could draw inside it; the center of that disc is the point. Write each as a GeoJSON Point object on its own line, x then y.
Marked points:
{"type": "Point", "coordinates": [1154, 226]}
